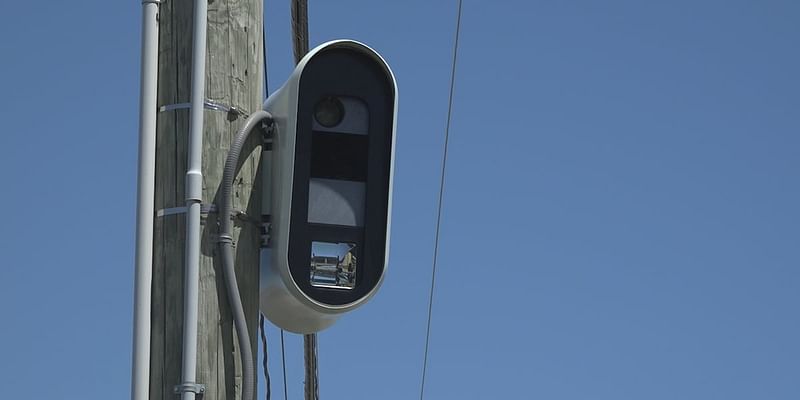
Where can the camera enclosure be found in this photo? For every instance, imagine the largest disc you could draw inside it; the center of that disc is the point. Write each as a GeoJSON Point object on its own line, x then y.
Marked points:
{"type": "Point", "coordinates": [328, 186]}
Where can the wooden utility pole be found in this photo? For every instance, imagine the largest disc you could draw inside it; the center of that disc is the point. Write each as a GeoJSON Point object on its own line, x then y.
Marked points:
{"type": "Point", "coordinates": [234, 69]}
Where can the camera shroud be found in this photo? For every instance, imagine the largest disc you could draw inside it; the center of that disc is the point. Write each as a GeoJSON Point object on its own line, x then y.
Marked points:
{"type": "Point", "coordinates": [328, 179]}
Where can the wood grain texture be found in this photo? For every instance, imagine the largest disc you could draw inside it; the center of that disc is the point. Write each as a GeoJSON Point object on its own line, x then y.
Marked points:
{"type": "Point", "coordinates": [234, 62]}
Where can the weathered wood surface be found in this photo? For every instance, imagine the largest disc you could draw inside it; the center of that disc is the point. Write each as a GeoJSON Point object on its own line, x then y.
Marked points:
{"type": "Point", "coordinates": [233, 78]}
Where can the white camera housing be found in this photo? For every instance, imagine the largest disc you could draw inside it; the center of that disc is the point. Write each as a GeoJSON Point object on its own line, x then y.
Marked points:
{"type": "Point", "coordinates": [328, 183]}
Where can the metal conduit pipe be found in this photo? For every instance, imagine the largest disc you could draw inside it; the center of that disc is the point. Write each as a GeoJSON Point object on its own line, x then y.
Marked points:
{"type": "Point", "coordinates": [194, 197]}
{"type": "Point", "coordinates": [226, 250]}
{"type": "Point", "coordinates": [145, 204]}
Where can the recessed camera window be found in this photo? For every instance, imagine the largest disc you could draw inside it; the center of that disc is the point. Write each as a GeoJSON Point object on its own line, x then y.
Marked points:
{"type": "Point", "coordinates": [329, 112]}
{"type": "Point", "coordinates": [341, 114]}
{"type": "Point", "coordinates": [333, 265]}
{"type": "Point", "coordinates": [339, 149]}
{"type": "Point", "coordinates": [340, 140]}
{"type": "Point", "coordinates": [336, 202]}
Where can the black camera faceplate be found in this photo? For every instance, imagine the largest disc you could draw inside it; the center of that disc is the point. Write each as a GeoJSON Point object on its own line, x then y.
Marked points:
{"type": "Point", "coordinates": [342, 71]}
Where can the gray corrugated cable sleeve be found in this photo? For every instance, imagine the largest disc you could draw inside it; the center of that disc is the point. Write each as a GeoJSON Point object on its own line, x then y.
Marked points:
{"type": "Point", "coordinates": [226, 251]}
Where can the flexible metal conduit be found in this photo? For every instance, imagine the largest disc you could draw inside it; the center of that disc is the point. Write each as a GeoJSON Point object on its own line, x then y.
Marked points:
{"type": "Point", "coordinates": [145, 207]}
{"type": "Point", "coordinates": [194, 197]}
{"type": "Point", "coordinates": [226, 251]}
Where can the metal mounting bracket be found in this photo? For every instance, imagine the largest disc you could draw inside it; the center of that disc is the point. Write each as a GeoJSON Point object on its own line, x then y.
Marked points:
{"type": "Point", "coordinates": [206, 209]}
{"type": "Point", "coordinates": [195, 388]}
{"type": "Point", "coordinates": [266, 233]}
{"type": "Point", "coordinates": [268, 129]}
{"type": "Point", "coordinates": [232, 111]}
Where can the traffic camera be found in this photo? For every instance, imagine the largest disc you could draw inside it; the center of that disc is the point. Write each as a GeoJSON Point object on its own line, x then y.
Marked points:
{"type": "Point", "coordinates": [328, 186]}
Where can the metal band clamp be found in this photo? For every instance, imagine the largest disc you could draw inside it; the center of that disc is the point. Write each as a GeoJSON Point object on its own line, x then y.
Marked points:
{"type": "Point", "coordinates": [207, 104]}
{"type": "Point", "coordinates": [195, 388]}
{"type": "Point", "coordinates": [206, 209]}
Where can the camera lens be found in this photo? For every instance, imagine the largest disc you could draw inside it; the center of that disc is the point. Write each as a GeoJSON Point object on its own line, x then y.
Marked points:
{"type": "Point", "coordinates": [329, 112]}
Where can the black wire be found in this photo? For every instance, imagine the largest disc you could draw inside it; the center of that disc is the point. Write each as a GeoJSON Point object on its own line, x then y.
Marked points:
{"type": "Point", "coordinates": [266, 359]}
{"type": "Point", "coordinates": [266, 68]}
{"type": "Point", "coordinates": [266, 93]}
{"type": "Point", "coordinates": [265, 363]}
{"type": "Point", "coordinates": [441, 195]}
{"type": "Point", "coordinates": [283, 360]}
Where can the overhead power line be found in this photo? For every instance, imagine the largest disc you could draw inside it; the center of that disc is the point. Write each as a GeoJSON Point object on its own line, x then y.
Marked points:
{"type": "Point", "coordinates": [441, 196]}
{"type": "Point", "coordinates": [265, 363]}
{"type": "Point", "coordinates": [283, 361]}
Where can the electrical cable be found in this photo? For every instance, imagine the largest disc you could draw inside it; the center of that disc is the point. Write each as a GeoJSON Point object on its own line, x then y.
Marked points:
{"type": "Point", "coordinates": [283, 348]}
{"type": "Point", "coordinates": [226, 249]}
{"type": "Point", "coordinates": [264, 55]}
{"type": "Point", "coordinates": [261, 316]}
{"type": "Point", "coordinates": [441, 196]}
{"type": "Point", "coordinates": [265, 363]}
{"type": "Point", "coordinates": [283, 361]}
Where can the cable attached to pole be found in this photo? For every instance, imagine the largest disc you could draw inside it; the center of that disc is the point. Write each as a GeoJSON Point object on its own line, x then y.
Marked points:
{"type": "Point", "coordinates": [145, 205]}
{"type": "Point", "coordinates": [265, 363]}
{"type": "Point", "coordinates": [441, 196]}
{"type": "Point", "coordinates": [188, 387]}
{"type": "Point", "coordinates": [226, 248]}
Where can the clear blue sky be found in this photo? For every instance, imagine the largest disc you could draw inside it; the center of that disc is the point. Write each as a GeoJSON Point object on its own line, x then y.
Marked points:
{"type": "Point", "coordinates": [620, 221]}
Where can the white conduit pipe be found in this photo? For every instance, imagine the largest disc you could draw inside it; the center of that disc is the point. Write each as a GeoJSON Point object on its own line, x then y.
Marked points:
{"type": "Point", "coordinates": [194, 197]}
{"type": "Point", "coordinates": [145, 207]}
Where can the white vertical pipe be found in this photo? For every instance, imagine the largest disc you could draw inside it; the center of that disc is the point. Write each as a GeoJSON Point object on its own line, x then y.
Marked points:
{"type": "Point", "coordinates": [194, 197]}
{"type": "Point", "coordinates": [145, 208]}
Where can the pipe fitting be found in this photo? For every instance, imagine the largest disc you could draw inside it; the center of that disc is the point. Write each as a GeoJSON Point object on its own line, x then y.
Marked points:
{"type": "Point", "coordinates": [194, 186]}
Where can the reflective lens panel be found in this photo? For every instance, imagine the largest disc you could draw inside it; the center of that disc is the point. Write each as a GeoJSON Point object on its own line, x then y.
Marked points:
{"type": "Point", "coordinates": [333, 265]}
